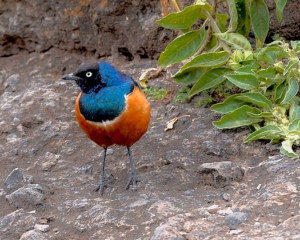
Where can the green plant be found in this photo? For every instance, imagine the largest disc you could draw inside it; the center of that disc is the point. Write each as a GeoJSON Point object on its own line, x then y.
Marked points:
{"type": "Point", "coordinates": [156, 93]}
{"type": "Point", "coordinates": [182, 95]}
{"type": "Point", "coordinates": [264, 79]}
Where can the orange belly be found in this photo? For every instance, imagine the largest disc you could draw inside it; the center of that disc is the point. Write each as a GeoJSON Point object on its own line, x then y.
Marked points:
{"type": "Point", "coordinates": [126, 129]}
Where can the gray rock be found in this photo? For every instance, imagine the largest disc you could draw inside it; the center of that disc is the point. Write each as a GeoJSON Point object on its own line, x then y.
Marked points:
{"type": "Point", "coordinates": [33, 235]}
{"type": "Point", "coordinates": [30, 195]}
{"type": "Point", "coordinates": [42, 227]}
{"type": "Point", "coordinates": [220, 174]}
{"type": "Point", "coordinates": [234, 219]}
{"type": "Point", "coordinates": [16, 179]}
{"type": "Point", "coordinates": [16, 223]}
{"type": "Point", "coordinates": [12, 81]}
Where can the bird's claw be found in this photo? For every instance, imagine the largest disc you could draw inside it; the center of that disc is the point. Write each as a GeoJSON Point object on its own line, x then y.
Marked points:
{"type": "Point", "coordinates": [103, 183]}
{"type": "Point", "coordinates": [132, 181]}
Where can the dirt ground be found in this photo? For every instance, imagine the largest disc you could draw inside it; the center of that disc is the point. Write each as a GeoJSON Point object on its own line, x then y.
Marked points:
{"type": "Point", "coordinates": [39, 134]}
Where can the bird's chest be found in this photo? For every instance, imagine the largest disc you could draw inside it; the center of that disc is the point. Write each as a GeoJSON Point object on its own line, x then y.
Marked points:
{"type": "Point", "coordinates": [103, 106]}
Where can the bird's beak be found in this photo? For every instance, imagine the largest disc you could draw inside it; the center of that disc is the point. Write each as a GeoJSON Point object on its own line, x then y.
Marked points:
{"type": "Point", "coordinates": [70, 76]}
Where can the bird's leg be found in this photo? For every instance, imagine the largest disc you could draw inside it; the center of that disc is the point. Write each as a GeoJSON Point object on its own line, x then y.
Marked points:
{"type": "Point", "coordinates": [132, 175]}
{"type": "Point", "coordinates": [103, 183]}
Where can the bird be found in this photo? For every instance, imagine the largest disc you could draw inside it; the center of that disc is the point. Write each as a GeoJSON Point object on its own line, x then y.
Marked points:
{"type": "Point", "coordinates": [111, 108]}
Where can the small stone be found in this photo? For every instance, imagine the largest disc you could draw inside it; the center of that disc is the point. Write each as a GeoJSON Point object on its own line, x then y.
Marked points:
{"type": "Point", "coordinates": [80, 203]}
{"type": "Point", "coordinates": [2, 192]}
{"type": "Point", "coordinates": [189, 192]}
{"type": "Point", "coordinates": [220, 174]}
{"type": "Point", "coordinates": [109, 151]}
{"type": "Point", "coordinates": [225, 211]}
{"type": "Point", "coordinates": [16, 121]}
{"type": "Point", "coordinates": [257, 224]}
{"type": "Point", "coordinates": [226, 197]}
{"type": "Point", "coordinates": [33, 235]}
{"type": "Point", "coordinates": [42, 227]}
{"type": "Point", "coordinates": [233, 220]}
{"type": "Point", "coordinates": [213, 209]}
{"type": "Point", "coordinates": [138, 203]}
{"type": "Point", "coordinates": [236, 232]}
{"type": "Point", "coordinates": [50, 161]}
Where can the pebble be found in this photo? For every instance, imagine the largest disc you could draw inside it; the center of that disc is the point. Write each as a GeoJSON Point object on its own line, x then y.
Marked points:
{"type": "Point", "coordinates": [213, 209]}
{"type": "Point", "coordinates": [223, 173]}
{"type": "Point", "coordinates": [233, 220]}
{"type": "Point", "coordinates": [42, 227]}
{"type": "Point", "coordinates": [257, 224]}
{"type": "Point", "coordinates": [236, 232]}
{"type": "Point", "coordinates": [138, 203]}
{"type": "Point", "coordinates": [33, 235]}
{"type": "Point", "coordinates": [225, 211]}
{"type": "Point", "coordinates": [2, 192]}
{"type": "Point", "coordinates": [80, 203]}
{"type": "Point", "coordinates": [226, 197]}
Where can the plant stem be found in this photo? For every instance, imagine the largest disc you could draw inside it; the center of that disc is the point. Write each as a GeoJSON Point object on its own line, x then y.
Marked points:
{"type": "Point", "coordinates": [176, 5]}
{"type": "Point", "coordinates": [216, 29]}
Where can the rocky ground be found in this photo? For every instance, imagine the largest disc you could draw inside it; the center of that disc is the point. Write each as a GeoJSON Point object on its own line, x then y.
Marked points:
{"type": "Point", "coordinates": [196, 182]}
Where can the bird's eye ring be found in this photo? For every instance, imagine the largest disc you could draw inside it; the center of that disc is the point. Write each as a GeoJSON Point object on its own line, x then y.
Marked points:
{"type": "Point", "coordinates": [89, 74]}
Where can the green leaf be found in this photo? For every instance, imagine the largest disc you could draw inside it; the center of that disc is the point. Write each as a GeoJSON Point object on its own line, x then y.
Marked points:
{"type": "Point", "coordinates": [295, 45]}
{"type": "Point", "coordinates": [293, 64]}
{"type": "Point", "coordinates": [233, 15]}
{"type": "Point", "coordinates": [271, 53]}
{"type": "Point", "coordinates": [270, 72]}
{"type": "Point", "coordinates": [244, 70]}
{"type": "Point", "coordinates": [243, 18]}
{"type": "Point", "coordinates": [221, 20]}
{"type": "Point", "coordinates": [259, 15]}
{"type": "Point", "coordinates": [236, 40]}
{"type": "Point", "coordinates": [189, 76]}
{"type": "Point", "coordinates": [295, 125]}
{"type": "Point", "coordinates": [238, 118]}
{"type": "Point", "coordinates": [294, 112]}
{"type": "Point", "coordinates": [280, 4]}
{"type": "Point", "coordinates": [244, 81]}
{"type": "Point", "coordinates": [209, 79]}
{"type": "Point", "coordinates": [255, 98]}
{"type": "Point", "coordinates": [287, 149]}
{"type": "Point", "coordinates": [205, 60]}
{"type": "Point", "coordinates": [292, 90]}
{"type": "Point", "coordinates": [267, 132]}
{"type": "Point", "coordinates": [183, 19]}
{"type": "Point", "coordinates": [264, 115]}
{"type": "Point", "coordinates": [182, 47]}
{"type": "Point", "coordinates": [228, 105]}
{"type": "Point", "coordinates": [280, 91]}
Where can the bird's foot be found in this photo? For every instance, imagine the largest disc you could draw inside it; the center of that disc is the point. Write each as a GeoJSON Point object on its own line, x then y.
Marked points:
{"type": "Point", "coordinates": [103, 183]}
{"type": "Point", "coordinates": [132, 181]}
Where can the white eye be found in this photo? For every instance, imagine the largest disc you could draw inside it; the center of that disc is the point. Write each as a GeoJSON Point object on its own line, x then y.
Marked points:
{"type": "Point", "coordinates": [89, 74]}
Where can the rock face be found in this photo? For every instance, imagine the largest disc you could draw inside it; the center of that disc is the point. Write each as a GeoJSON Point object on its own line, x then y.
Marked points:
{"type": "Point", "coordinates": [103, 28]}
{"type": "Point", "coordinates": [100, 27]}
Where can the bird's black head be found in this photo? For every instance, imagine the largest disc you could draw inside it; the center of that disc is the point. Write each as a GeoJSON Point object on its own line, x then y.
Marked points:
{"type": "Point", "coordinates": [87, 77]}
